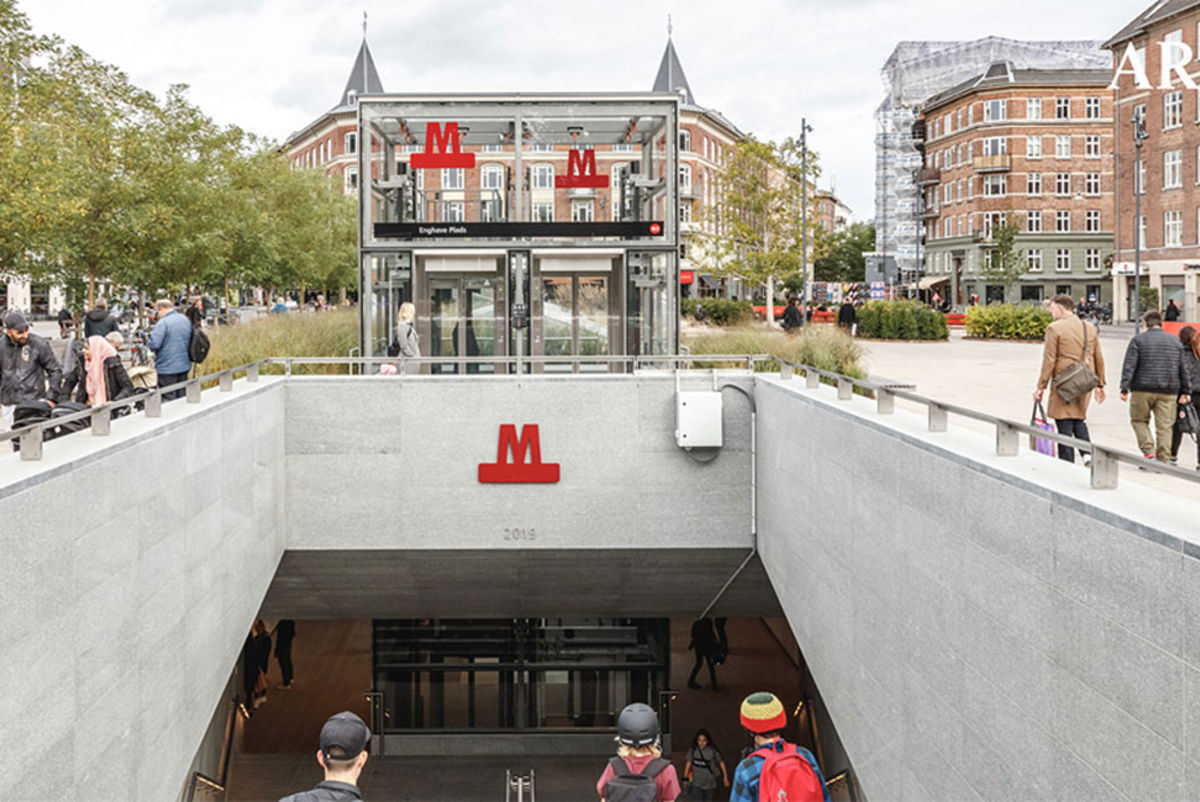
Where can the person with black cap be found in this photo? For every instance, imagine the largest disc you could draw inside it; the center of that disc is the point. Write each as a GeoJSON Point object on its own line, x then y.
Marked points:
{"type": "Point", "coordinates": [638, 772]}
{"type": "Point", "coordinates": [342, 755]}
{"type": "Point", "coordinates": [29, 370]}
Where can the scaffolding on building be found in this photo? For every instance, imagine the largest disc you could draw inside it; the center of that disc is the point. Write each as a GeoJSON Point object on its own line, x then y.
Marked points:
{"type": "Point", "coordinates": [913, 73]}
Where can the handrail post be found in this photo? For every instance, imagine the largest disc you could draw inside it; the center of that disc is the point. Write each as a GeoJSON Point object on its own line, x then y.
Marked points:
{"type": "Point", "coordinates": [101, 422]}
{"type": "Point", "coordinates": [786, 371]}
{"type": "Point", "coordinates": [1105, 470]}
{"type": "Point", "coordinates": [1008, 440]}
{"type": "Point", "coordinates": [812, 379]}
{"type": "Point", "coordinates": [193, 392]}
{"type": "Point", "coordinates": [227, 381]}
{"type": "Point", "coordinates": [885, 401]}
{"type": "Point", "coordinates": [154, 404]}
{"type": "Point", "coordinates": [845, 389]}
{"type": "Point", "coordinates": [938, 417]}
{"type": "Point", "coordinates": [31, 444]}
{"type": "Point", "coordinates": [252, 372]}
{"type": "Point", "coordinates": [287, 366]}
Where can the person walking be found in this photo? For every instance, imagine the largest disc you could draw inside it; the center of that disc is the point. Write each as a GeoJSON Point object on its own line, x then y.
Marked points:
{"type": "Point", "coordinates": [847, 316]}
{"type": "Point", "coordinates": [781, 769]}
{"type": "Point", "coordinates": [65, 322]}
{"type": "Point", "coordinates": [1069, 340]}
{"type": "Point", "coordinates": [262, 649]}
{"type": "Point", "coordinates": [1171, 313]}
{"type": "Point", "coordinates": [704, 766]}
{"type": "Point", "coordinates": [639, 766]}
{"type": "Point", "coordinates": [1189, 338]}
{"type": "Point", "coordinates": [285, 633]}
{"type": "Point", "coordinates": [98, 322]}
{"type": "Point", "coordinates": [342, 755]}
{"type": "Point", "coordinates": [1155, 374]}
{"type": "Point", "coordinates": [704, 642]}
{"type": "Point", "coordinates": [791, 316]}
{"type": "Point", "coordinates": [29, 370]}
{"type": "Point", "coordinates": [169, 341]}
{"type": "Point", "coordinates": [406, 345]}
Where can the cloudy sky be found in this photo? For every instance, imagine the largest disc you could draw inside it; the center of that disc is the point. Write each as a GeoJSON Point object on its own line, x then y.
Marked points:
{"type": "Point", "coordinates": [271, 66]}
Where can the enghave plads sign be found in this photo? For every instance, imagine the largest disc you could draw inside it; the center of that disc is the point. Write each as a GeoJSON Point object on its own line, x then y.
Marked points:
{"type": "Point", "coordinates": [443, 150]}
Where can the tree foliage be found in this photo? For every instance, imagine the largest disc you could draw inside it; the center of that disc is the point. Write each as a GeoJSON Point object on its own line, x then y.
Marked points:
{"type": "Point", "coordinates": [842, 252]}
{"type": "Point", "coordinates": [103, 181]}
{"type": "Point", "coordinates": [1004, 265]}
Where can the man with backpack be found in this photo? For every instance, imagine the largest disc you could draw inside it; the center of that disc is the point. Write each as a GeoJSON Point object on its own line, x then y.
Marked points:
{"type": "Point", "coordinates": [776, 769]}
{"type": "Point", "coordinates": [169, 340]}
{"type": "Point", "coordinates": [638, 773]}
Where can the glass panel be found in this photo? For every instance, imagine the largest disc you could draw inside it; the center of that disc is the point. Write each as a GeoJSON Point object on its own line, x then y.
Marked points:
{"type": "Point", "coordinates": [480, 310]}
{"type": "Point", "coordinates": [443, 321]}
{"type": "Point", "coordinates": [592, 313]}
{"type": "Point", "coordinates": [557, 308]}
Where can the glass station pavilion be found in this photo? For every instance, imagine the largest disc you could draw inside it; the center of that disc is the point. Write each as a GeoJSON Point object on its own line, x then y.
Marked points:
{"type": "Point", "coordinates": [521, 225]}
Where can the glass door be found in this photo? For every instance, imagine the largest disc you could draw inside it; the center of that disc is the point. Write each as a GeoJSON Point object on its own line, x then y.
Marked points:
{"type": "Point", "coordinates": [462, 321]}
{"type": "Point", "coordinates": [575, 321]}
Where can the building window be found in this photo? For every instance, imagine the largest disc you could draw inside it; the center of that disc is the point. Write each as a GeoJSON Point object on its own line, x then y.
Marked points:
{"type": "Point", "coordinates": [493, 148]}
{"type": "Point", "coordinates": [685, 179]}
{"type": "Point", "coordinates": [1091, 259]}
{"type": "Point", "coordinates": [1172, 229]}
{"type": "Point", "coordinates": [452, 178]}
{"type": "Point", "coordinates": [1172, 169]}
{"type": "Point", "coordinates": [1033, 147]}
{"type": "Point", "coordinates": [1062, 147]}
{"type": "Point", "coordinates": [1142, 231]}
{"type": "Point", "coordinates": [623, 147]}
{"type": "Point", "coordinates": [1033, 184]}
{"type": "Point", "coordinates": [1031, 293]}
{"type": "Point", "coordinates": [350, 180]}
{"type": "Point", "coordinates": [1062, 108]}
{"type": "Point", "coordinates": [1062, 183]}
{"type": "Point", "coordinates": [351, 142]}
{"type": "Point", "coordinates": [542, 176]}
{"type": "Point", "coordinates": [452, 212]}
{"type": "Point", "coordinates": [1140, 181]}
{"type": "Point", "coordinates": [685, 212]}
{"type": "Point", "coordinates": [1091, 146]}
{"type": "Point", "coordinates": [583, 211]}
{"type": "Point", "coordinates": [994, 186]}
{"type": "Point", "coordinates": [685, 140]}
{"type": "Point", "coordinates": [1033, 108]}
{"type": "Point", "coordinates": [491, 177]}
{"type": "Point", "coordinates": [489, 211]}
{"type": "Point", "coordinates": [1091, 221]}
{"type": "Point", "coordinates": [994, 110]}
{"type": "Point", "coordinates": [1033, 259]}
{"type": "Point", "coordinates": [1062, 259]}
{"type": "Point", "coordinates": [995, 146]}
{"type": "Point", "coordinates": [1091, 108]}
{"type": "Point", "coordinates": [543, 212]}
{"type": "Point", "coordinates": [1172, 109]}
{"type": "Point", "coordinates": [542, 147]}
{"type": "Point", "coordinates": [1033, 222]}
{"type": "Point", "coordinates": [1062, 221]}
{"type": "Point", "coordinates": [1091, 184]}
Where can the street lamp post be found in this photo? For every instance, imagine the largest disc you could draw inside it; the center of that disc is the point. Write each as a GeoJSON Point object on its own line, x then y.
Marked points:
{"type": "Point", "coordinates": [1139, 136]}
{"type": "Point", "coordinates": [805, 288]}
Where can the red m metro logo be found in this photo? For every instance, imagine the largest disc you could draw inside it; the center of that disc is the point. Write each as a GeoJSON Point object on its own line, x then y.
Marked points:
{"type": "Point", "coordinates": [581, 172]}
{"type": "Point", "coordinates": [533, 472]}
{"type": "Point", "coordinates": [442, 149]}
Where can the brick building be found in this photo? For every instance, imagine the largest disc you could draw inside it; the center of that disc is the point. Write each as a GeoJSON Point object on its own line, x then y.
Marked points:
{"type": "Point", "coordinates": [1170, 213]}
{"type": "Point", "coordinates": [1030, 147]}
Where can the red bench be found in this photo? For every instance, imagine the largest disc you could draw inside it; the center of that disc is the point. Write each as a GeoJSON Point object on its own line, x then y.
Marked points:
{"type": "Point", "coordinates": [1175, 326]}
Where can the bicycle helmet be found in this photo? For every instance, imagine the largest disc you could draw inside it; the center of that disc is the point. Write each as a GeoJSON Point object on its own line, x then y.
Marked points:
{"type": "Point", "coordinates": [637, 726]}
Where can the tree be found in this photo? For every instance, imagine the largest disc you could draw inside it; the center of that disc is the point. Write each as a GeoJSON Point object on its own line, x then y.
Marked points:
{"type": "Point", "coordinates": [1004, 264]}
{"type": "Point", "coordinates": [842, 259]}
{"type": "Point", "coordinates": [758, 232]}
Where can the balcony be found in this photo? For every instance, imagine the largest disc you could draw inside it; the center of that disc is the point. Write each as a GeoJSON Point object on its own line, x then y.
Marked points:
{"type": "Point", "coordinates": [932, 211]}
{"type": "Point", "coordinates": [929, 175]}
{"type": "Point", "coordinates": [1001, 163]}
{"type": "Point", "coordinates": [689, 191]}
{"type": "Point", "coordinates": [581, 192]}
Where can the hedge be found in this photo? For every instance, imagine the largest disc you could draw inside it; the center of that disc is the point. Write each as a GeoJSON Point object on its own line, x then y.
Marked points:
{"type": "Point", "coordinates": [901, 320]}
{"type": "Point", "coordinates": [721, 311]}
{"type": "Point", "coordinates": [1007, 322]}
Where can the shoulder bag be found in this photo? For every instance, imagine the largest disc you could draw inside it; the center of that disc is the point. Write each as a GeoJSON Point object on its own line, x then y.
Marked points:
{"type": "Point", "coordinates": [1189, 419]}
{"type": "Point", "coordinates": [1079, 379]}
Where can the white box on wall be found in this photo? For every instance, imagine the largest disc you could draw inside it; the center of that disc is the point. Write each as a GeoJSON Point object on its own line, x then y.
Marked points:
{"type": "Point", "coordinates": [698, 419]}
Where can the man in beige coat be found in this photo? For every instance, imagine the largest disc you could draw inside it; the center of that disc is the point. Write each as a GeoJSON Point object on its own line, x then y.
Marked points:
{"type": "Point", "coordinates": [1064, 347]}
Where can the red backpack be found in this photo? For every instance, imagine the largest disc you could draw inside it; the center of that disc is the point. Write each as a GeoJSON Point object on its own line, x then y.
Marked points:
{"type": "Point", "coordinates": [789, 776]}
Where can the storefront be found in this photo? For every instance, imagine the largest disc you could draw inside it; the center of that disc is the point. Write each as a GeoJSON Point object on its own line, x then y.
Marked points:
{"type": "Point", "coordinates": [529, 226]}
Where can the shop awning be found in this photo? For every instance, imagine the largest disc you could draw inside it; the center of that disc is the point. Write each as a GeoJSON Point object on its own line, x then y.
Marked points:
{"type": "Point", "coordinates": [933, 281]}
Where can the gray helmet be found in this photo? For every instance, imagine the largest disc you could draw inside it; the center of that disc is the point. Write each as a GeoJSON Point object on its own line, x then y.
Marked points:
{"type": "Point", "coordinates": [637, 726]}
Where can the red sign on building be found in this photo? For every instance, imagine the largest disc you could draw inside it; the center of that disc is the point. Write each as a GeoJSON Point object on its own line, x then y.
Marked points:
{"type": "Point", "coordinates": [518, 470]}
{"type": "Point", "coordinates": [443, 150]}
{"type": "Point", "coordinates": [687, 276]}
{"type": "Point", "coordinates": [581, 172]}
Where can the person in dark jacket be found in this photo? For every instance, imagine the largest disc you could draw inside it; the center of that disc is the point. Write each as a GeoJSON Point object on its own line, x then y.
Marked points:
{"type": "Point", "coordinates": [98, 322]}
{"type": "Point", "coordinates": [65, 321]}
{"type": "Point", "coordinates": [29, 370]}
{"type": "Point", "coordinates": [1155, 373]}
{"type": "Point", "coordinates": [195, 312]}
{"type": "Point", "coordinates": [262, 640]}
{"type": "Point", "coordinates": [94, 373]}
{"type": "Point", "coordinates": [1189, 338]}
{"type": "Point", "coordinates": [285, 633]}
{"type": "Point", "coordinates": [704, 641]}
{"type": "Point", "coordinates": [791, 316]}
{"type": "Point", "coordinates": [74, 377]}
{"type": "Point", "coordinates": [847, 316]}
{"type": "Point", "coordinates": [1171, 313]}
{"type": "Point", "coordinates": [342, 755]}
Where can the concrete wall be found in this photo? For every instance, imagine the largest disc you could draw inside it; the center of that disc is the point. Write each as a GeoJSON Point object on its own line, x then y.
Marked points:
{"type": "Point", "coordinates": [133, 568]}
{"type": "Point", "coordinates": [404, 455]}
{"type": "Point", "coordinates": [981, 627]}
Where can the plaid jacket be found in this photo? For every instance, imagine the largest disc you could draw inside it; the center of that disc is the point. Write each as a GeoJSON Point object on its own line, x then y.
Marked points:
{"type": "Point", "coordinates": [745, 779]}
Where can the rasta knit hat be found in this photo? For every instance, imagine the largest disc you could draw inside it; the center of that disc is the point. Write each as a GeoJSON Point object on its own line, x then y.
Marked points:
{"type": "Point", "coordinates": [763, 712]}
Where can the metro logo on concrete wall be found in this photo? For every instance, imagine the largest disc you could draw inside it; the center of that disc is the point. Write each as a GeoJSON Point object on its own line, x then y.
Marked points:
{"type": "Point", "coordinates": [518, 471]}
{"type": "Point", "coordinates": [443, 149]}
{"type": "Point", "coordinates": [581, 172]}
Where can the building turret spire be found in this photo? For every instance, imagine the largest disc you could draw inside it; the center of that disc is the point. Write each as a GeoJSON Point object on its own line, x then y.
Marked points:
{"type": "Point", "coordinates": [364, 78]}
{"type": "Point", "coordinates": [670, 76]}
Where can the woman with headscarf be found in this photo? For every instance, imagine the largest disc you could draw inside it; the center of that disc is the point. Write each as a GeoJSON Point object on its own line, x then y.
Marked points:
{"type": "Point", "coordinates": [105, 375]}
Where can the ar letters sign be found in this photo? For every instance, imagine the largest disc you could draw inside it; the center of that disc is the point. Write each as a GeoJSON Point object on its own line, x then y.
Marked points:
{"type": "Point", "coordinates": [518, 470]}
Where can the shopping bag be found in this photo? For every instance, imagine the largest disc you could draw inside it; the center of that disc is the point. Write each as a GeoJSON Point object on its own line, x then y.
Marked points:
{"type": "Point", "coordinates": [1039, 420]}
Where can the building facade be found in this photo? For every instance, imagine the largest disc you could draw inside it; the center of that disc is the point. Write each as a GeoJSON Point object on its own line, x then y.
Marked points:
{"type": "Point", "coordinates": [1031, 149]}
{"type": "Point", "coordinates": [1169, 223]}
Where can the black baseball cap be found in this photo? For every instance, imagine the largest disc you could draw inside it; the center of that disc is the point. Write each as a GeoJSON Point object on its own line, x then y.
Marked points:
{"type": "Point", "coordinates": [16, 321]}
{"type": "Point", "coordinates": [344, 736]}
